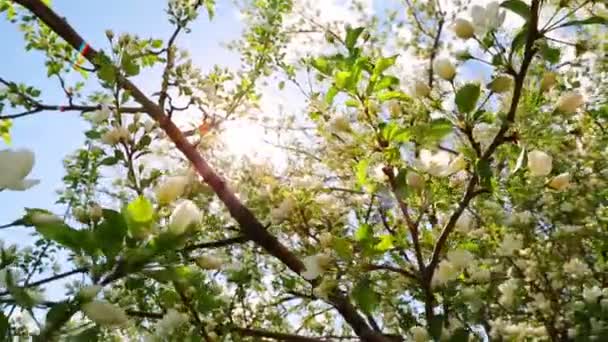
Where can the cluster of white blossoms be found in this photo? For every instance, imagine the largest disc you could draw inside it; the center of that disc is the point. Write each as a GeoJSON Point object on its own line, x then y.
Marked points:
{"type": "Point", "coordinates": [439, 164]}
{"type": "Point", "coordinates": [508, 291]}
{"type": "Point", "coordinates": [172, 320]}
{"type": "Point", "coordinates": [517, 331]}
{"type": "Point", "coordinates": [15, 166]}
{"type": "Point", "coordinates": [101, 115]}
{"type": "Point", "coordinates": [419, 334]}
{"type": "Point", "coordinates": [450, 268]}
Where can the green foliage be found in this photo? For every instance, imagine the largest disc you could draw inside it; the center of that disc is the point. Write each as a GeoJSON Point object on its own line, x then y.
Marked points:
{"type": "Point", "coordinates": [363, 293]}
{"type": "Point", "coordinates": [467, 97]}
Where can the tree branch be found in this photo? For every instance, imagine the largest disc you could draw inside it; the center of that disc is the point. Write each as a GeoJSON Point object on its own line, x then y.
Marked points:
{"type": "Point", "coordinates": [50, 279]}
{"type": "Point", "coordinates": [216, 244]}
{"type": "Point", "coordinates": [67, 108]}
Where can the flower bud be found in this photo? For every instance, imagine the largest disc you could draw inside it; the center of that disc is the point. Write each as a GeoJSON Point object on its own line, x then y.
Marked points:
{"type": "Point", "coordinates": [88, 293]}
{"type": "Point", "coordinates": [539, 163]}
{"type": "Point", "coordinates": [548, 81]}
{"type": "Point", "coordinates": [464, 29]}
{"type": "Point", "coordinates": [81, 215]}
{"type": "Point", "coordinates": [421, 89]}
{"type": "Point", "coordinates": [95, 212]}
{"type": "Point", "coordinates": [560, 182]}
{"type": "Point", "coordinates": [105, 314]}
{"type": "Point", "coordinates": [394, 108]}
{"type": "Point", "coordinates": [445, 69]}
{"type": "Point", "coordinates": [501, 84]}
{"type": "Point", "coordinates": [570, 102]}
{"type": "Point", "coordinates": [38, 218]}
{"type": "Point", "coordinates": [110, 34]}
{"type": "Point", "coordinates": [315, 265]}
{"type": "Point", "coordinates": [208, 262]}
{"type": "Point", "coordinates": [185, 215]}
{"type": "Point", "coordinates": [171, 189]}
{"type": "Point", "coordinates": [415, 180]}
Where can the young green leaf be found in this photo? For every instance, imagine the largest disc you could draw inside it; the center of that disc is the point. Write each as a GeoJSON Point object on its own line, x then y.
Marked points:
{"type": "Point", "coordinates": [467, 97]}
{"type": "Point", "coordinates": [367, 300]}
{"type": "Point", "coordinates": [518, 7]}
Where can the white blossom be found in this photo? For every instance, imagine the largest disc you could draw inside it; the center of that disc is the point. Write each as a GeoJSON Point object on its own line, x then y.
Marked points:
{"type": "Point", "coordinates": [507, 292]}
{"type": "Point", "coordinates": [184, 215]}
{"type": "Point", "coordinates": [489, 17]}
{"type": "Point", "coordinates": [88, 293]}
{"type": "Point", "coordinates": [480, 274]}
{"type": "Point", "coordinates": [341, 124]}
{"type": "Point", "coordinates": [539, 163]}
{"type": "Point", "coordinates": [315, 265]}
{"type": "Point", "coordinates": [484, 134]}
{"type": "Point", "coordinates": [101, 115]}
{"type": "Point", "coordinates": [171, 189]}
{"type": "Point", "coordinates": [95, 211]}
{"type": "Point", "coordinates": [394, 108]}
{"type": "Point", "coordinates": [439, 164]}
{"type": "Point", "coordinates": [115, 135]}
{"type": "Point", "coordinates": [591, 294]}
{"type": "Point", "coordinates": [15, 165]}
{"type": "Point", "coordinates": [105, 314]}
{"type": "Point", "coordinates": [445, 272]}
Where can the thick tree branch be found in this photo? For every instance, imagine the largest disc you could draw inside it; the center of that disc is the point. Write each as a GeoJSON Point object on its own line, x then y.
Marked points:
{"type": "Point", "coordinates": [250, 226]}
{"type": "Point", "coordinates": [216, 244]}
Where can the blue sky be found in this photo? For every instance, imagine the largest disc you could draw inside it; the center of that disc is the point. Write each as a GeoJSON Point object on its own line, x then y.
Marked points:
{"type": "Point", "coordinates": [53, 135]}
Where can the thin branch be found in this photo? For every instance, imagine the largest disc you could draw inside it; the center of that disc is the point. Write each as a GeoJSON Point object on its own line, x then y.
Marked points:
{"type": "Point", "coordinates": [50, 279]}
{"type": "Point", "coordinates": [67, 108]}
{"type": "Point", "coordinates": [216, 244]}
{"type": "Point", "coordinates": [405, 273]}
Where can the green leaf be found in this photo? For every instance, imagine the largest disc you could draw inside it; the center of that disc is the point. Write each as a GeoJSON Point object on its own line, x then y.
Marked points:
{"type": "Point", "coordinates": [157, 43]}
{"type": "Point", "coordinates": [342, 79]}
{"type": "Point", "coordinates": [386, 82]}
{"type": "Point", "coordinates": [518, 7]}
{"type": "Point", "coordinates": [429, 134]}
{"type": "Point", "coordinates": [63, 235]}
{"type": "Point", "coordinates": [342, 247]}
{"type": "Point", "coordinates": [595, 20]}
{"type": "Point", "coordinates": [361, 171]}
{"type": "Point", "coordinates": [550, 54]}
{"type": "Point", "coordinates": [210, 6]}
{"type": "Point", "coordinates": [111, 232]}
{"type": "Point", "coordinates": [331, 94]}
{"type": "Point", "coordinates": [92, 134]}
{"type": "Point", "coordinates": [352, 34]}
{"type": "Point", "coordinates": [384, 63]}
{"type": "Point", "coordinates": [365, 297]}
{"type": "Point", "coordinates": [386, 243]}
{"type": "Point", "coordinates": [140, 210]}
{"type": "Point", "coordinates": [393, 95]}
{"type": "Point", "coordinates": [520, 39]}
{"type": "Point", "coordinates": [322, 65]}
{"type": "Point", "coordinates": [363, 233]}
{"type": "Point", "coordinates": [88, 335]}
{"type": "Point", "coordinates": [129, 65]}
{"type": "Point", "coordinates": [57, 313]}
{"type": "Point", "coordinates": [109, 161]}
{"type": "Point", "coordinates": [107, 73]}
{"type": "Point", "coordinates": [467, 97]}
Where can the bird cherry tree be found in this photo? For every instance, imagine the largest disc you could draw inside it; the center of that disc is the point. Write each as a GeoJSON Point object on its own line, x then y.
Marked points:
{"type": "Point", "coordinates": [444, 181]}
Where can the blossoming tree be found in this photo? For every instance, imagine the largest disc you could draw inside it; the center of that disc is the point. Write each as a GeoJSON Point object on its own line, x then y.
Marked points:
{"type": "Point", "coordinates": [415, 202]}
